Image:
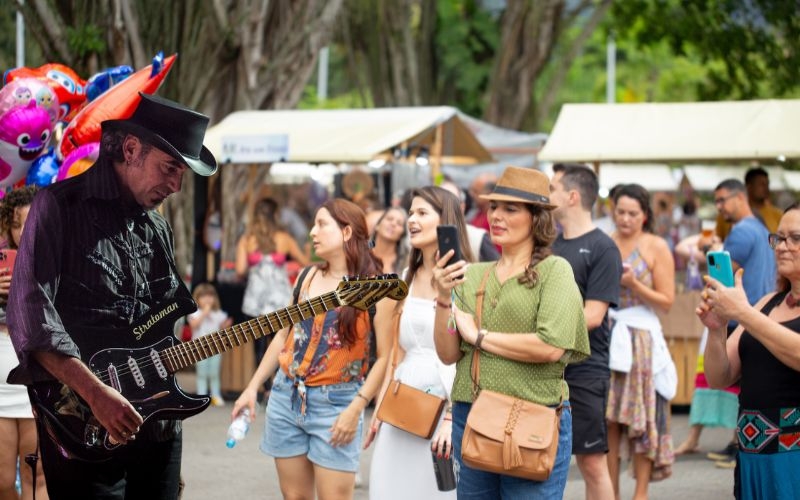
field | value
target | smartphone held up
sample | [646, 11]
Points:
[720, 267]
[7, 258]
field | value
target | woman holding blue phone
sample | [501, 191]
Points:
[643, 376]
[763, 355]
[720, 267]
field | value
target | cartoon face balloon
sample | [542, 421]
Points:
[23, 90]
[24, 133]
[68, 86]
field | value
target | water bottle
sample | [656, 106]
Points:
[238, 429]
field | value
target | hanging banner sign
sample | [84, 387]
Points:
[263, 148]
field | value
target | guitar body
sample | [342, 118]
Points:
[134, 368]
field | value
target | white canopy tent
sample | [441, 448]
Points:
[792, 180]
[675, 132]
[651, 176]
[355, 135]
[704, 178]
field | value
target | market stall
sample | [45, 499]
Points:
[693, 132]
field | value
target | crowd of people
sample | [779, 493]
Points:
[544, 309]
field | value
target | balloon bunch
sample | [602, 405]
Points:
[50, 117]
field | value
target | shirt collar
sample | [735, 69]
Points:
[102, 183]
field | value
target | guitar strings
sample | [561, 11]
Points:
[180, 350]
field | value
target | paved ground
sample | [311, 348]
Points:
[212, 471]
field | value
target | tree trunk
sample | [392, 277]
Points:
[544, 105]
[387, 35]
[530, 29]
[233, 54]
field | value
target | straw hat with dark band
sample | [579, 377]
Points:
[522, 185]
[172, 128]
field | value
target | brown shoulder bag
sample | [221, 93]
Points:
[406, 407]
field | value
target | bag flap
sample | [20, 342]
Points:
[532, 428]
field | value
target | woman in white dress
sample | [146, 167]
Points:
[402, 465]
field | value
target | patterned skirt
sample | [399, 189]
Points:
[634, 403]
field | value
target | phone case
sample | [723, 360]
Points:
[7, 258]
[719, 267]
[448, 240]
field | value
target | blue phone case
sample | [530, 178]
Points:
[719, 267]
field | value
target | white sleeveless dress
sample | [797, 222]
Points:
[402, 465]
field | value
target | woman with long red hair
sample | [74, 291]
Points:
[324, 381]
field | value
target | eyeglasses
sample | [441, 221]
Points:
[792, 241]
[723, 199]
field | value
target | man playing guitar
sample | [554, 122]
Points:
[96, 257]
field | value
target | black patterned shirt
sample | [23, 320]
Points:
[85, 260]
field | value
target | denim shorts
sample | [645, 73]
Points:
[480, 485]
[288, 433]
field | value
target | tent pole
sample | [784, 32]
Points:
[436, 156]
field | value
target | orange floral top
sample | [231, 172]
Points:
[314, 354]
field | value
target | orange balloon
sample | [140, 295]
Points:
[79, 167]
[117, 103]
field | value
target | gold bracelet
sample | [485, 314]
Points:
[362, 396]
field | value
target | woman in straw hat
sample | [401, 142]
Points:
[531, 326]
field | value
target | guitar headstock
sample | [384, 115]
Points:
[361, 292]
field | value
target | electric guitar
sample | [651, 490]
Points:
[143, 363]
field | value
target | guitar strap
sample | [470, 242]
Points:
[299, 374]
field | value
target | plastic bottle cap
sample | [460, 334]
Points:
[230, 443]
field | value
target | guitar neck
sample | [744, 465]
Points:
[189, 353]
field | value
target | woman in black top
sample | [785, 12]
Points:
[763, 354]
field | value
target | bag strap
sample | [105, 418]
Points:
[398, 311]
[311, 350]
[299, 283]
[475, 364]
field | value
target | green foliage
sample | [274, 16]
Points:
[466, 40]
[347, 100]
[750, 49]
[85, 40]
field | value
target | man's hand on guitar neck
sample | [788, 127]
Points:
[111, 409]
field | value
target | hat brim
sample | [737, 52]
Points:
[205, 165]
[515, 199]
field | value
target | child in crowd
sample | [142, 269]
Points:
[208, 318]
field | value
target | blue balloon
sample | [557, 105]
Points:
[43, 170]
[104, 80]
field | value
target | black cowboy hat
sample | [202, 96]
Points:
[172, 128]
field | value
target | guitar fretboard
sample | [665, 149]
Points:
[189, 353]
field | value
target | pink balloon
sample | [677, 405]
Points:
[21, 91]
[88, 152]
[24, 133]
